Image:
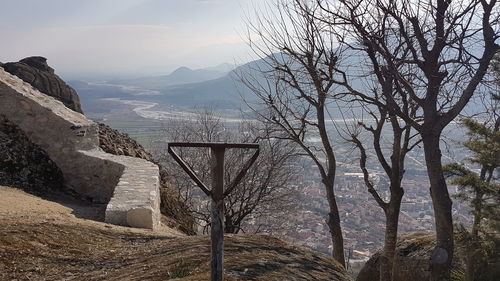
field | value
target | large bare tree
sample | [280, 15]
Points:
[294, 86]
[437, 52]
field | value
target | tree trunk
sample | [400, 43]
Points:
[472, 253]
[334, 224]
[471, 262]
[329, 182]
[478, 214]
[391, 235]
[441, 258]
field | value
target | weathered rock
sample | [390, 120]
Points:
[39, 63]
[25, 165]
[118, 143]
[413, 252]
[35, 71]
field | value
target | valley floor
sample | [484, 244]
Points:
[57, 238]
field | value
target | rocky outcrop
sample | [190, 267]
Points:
[72, 142]
[36, 72]
[411, 261]
[25, 165]
[413, 252]
[50, 245]
[118, 143]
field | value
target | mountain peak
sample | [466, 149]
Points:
[182, 69]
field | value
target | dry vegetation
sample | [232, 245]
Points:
[47, 240]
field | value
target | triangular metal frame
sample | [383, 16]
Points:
[192, 173]
[216, 193]
[189, 171]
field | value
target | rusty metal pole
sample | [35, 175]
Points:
[217, 214]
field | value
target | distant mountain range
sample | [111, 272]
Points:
[180, 76]
[215, 87]
[224, 93]
[218, 88]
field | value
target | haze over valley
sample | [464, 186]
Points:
[146, 107]
[321, 139]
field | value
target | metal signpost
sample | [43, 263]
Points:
[217, 192]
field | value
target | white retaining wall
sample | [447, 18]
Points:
[130, 185]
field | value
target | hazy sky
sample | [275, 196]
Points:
[124, 37]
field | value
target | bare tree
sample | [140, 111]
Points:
[294, 88]
[265, 194]
[391, 155]
[437, 52]
[392, 161]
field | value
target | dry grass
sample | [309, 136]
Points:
[61, 247]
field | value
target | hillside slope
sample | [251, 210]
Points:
[53, 240]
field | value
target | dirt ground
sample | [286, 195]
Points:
[58, 238]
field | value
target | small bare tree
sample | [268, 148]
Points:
[392, 160]
[266, 193]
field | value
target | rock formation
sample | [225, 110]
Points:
[35, 71]
[413, 252]
[25, 165]
[118, 143]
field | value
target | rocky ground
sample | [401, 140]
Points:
[118, 143]
[25, 165]
[58, 238]
[413, 252]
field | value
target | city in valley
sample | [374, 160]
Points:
[362, 219]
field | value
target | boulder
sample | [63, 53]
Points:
[413, 251]
[36, 71]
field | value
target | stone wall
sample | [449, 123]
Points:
[72, 142]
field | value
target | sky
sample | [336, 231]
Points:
[118, 38]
